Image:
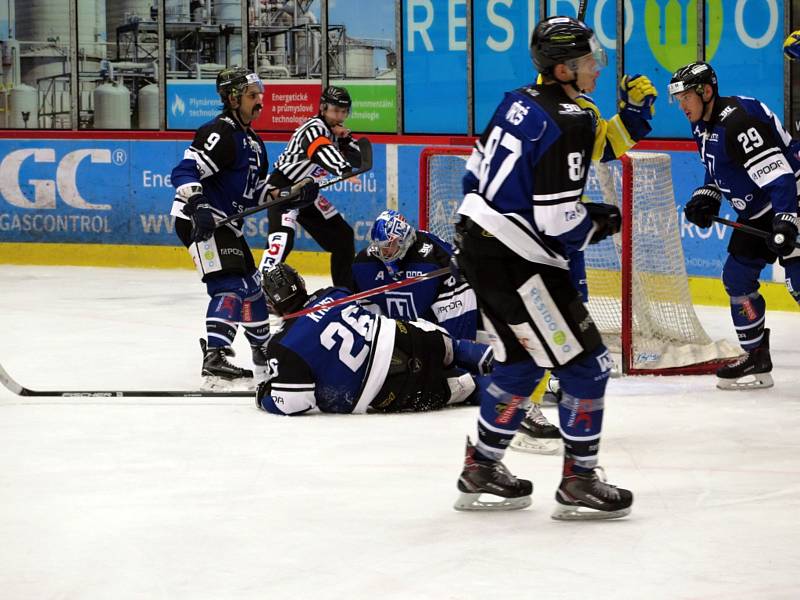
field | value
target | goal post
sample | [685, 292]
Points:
[638, 286]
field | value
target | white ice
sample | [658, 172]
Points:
[209, 498]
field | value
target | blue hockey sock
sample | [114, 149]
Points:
[222, 317]
[581, 421]
[255, 320]
[748, 319]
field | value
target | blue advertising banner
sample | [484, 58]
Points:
[119, 192]
[743, 44]
[191, 103]
[435, 66]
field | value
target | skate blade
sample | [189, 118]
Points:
[212, 383]
[748, 382]
[564, 512]
[470, 501]
[526, 443]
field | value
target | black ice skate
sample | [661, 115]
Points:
[585, 496]
[218, 372]
[749, 371]
[490, 477]
[537, 434]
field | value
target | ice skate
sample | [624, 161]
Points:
[489, 477]
[536, 434]
[219, 374]
[749, 371]
[587, 496]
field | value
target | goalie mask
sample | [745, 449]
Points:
[390, 238]
[284, 287]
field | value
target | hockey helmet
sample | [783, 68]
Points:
[232, 81]
[284, 287]
[563, 40]
[390, 238]
[692, 77]
[336, 96]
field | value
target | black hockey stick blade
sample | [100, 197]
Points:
[12, 385]
[747, 229]
[368, 293]
[582, 9]
[365, 147]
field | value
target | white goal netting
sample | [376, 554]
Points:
[638, 287]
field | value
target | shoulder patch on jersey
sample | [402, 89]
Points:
[570, 109]
[425, 249]
[726, 112]
[516, 112]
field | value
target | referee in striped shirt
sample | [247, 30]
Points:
[320, 144]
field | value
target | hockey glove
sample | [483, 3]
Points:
[305, 195]
[199, 211]
[703, 205]
[791, 47]
[637, 95]
[784, 234]
[607, 220]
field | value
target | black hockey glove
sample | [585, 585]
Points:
[306, 195]
[703, 205]
[784, 234]
[199, 211]
[607, 219]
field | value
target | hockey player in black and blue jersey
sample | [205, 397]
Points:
[521, 218]
[752, 161]
[397, 251]
[346, 359]
[223, 172]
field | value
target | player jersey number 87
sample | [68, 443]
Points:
[510, 142]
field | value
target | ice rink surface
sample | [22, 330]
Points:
[211, 499]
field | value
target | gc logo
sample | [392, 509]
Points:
[44, 190]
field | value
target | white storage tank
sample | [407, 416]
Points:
[360, 60]
[148, 107]
[112, 106]
[23, 100]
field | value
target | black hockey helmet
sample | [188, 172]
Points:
[232, 81]
[284, 287]
[335, 96]
[559, 40]
[693, 77]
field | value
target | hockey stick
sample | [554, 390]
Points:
[368, 293]
[12, 385]
[747, 229]
[582, 9]
[365, 148]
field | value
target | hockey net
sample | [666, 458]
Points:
[638, 287]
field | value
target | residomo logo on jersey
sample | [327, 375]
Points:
[65, 177]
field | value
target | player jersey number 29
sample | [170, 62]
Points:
[344, 334]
